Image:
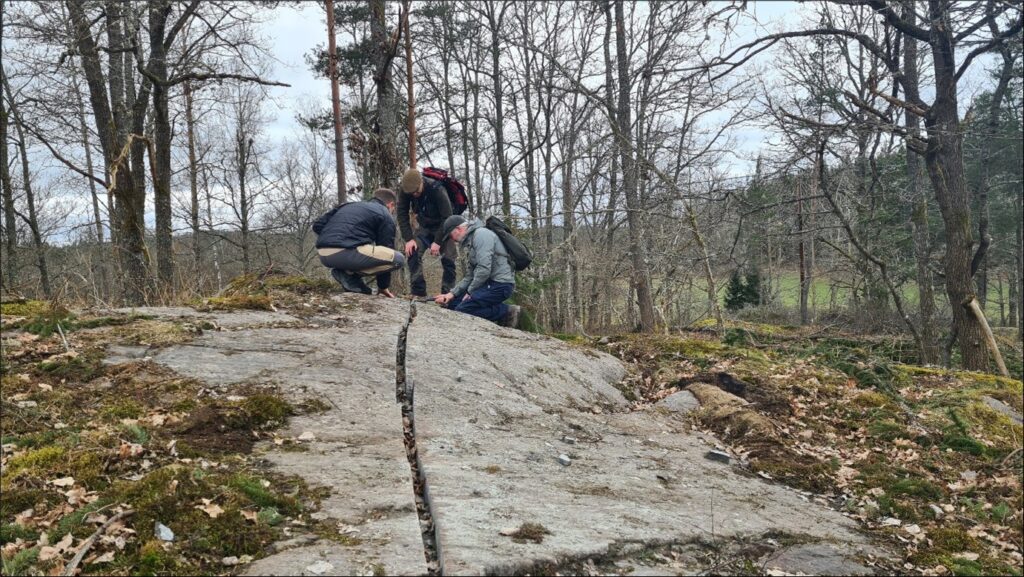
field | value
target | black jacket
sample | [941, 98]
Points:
[354, 224]
[431, 208]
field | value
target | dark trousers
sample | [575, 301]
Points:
[417, 284]
[487, 302]
[366, 260]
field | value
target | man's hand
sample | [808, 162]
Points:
[435, 249]
[386, 293]
[410, 247]
[444, 299]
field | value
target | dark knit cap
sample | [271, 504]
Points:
[450, 224]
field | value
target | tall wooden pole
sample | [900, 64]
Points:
[408, 79]
[339, 140]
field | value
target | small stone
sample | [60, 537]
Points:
[596, 409]
[564, 460]
[719, 456]
[27, 404]
[913, 529]
[508, 531]
[319, 568]
[603, 341]
[569, 440]
[163, 532]
[969, 475]
[229, 561]
[891, 522]
[307, 436]
[937, 511]
[948, 508]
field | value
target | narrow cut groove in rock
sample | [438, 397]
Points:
[404, 391]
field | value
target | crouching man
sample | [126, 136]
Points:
[356, 239]
[490, 278]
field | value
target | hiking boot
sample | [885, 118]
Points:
[512, 317]
[350, 282]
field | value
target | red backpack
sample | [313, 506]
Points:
[456, 192]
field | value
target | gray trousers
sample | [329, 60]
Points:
[366, 260]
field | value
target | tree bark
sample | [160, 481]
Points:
[158, 12]
[990, 339]
[32, 221]
[109, 112]
[339, 131]
[988, 142]
[928, 348]
[100, 265]
[638, 255]
[10, 224]
[410, 94]
[944, 159]
[801, 242]
[494, 22]
[193, 184]
[384, 153]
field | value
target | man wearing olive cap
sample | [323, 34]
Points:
[490, 278]
[428, 199]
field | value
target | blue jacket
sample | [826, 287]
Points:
[354, 224]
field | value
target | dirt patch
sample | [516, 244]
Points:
[205, 428]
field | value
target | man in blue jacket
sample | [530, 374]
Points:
[356, 239]
[490, 278]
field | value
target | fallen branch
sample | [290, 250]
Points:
[990, 339]
[84, 547]
[67, 347]
[1010, 456]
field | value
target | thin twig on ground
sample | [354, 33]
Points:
[88, 543]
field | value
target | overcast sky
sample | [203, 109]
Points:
[295, 31]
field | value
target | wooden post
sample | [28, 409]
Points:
[993, 347]
[339, 139]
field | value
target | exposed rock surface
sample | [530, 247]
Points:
[495, 408]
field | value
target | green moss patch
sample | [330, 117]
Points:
[853, 418]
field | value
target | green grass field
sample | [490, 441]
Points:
[786, 289]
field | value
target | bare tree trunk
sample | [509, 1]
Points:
[709, 276]
[411, 95]
[981, 260]
[339, 131]
[112, 125]
[32, 220]
[929, 346]
[1016, 304]
[944, 159]
[383, 152]
[531, 182]
[101, 264]
[613, 174]
[494, 22]
[10, 224]
[190, 129]
[477, 183]
[244, 150]
[804, 281]
[158, 12]
[637, 249]
[568, 225]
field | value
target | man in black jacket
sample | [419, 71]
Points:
[428, 199]
[355, 239]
